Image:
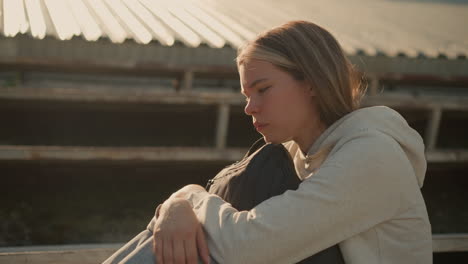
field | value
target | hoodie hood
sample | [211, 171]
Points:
[384, 120]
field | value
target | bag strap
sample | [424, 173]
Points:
[255, 146]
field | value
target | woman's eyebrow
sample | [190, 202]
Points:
[256, 82]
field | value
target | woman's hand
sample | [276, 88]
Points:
[178, 236]
[185, 191]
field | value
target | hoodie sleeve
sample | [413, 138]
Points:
[358, 187]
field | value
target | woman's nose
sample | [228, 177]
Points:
[251, 107]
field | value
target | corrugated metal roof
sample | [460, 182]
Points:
[388, 27]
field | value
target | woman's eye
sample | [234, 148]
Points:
[263, 89]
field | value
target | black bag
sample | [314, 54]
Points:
[265, 171]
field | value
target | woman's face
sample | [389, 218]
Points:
[282, 108]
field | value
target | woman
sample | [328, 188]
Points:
[361, 169]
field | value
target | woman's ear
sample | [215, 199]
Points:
[311, 91]
[309, 88]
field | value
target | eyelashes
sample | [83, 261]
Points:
[263, 90]
[260, 91]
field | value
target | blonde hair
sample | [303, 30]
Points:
[309, 52]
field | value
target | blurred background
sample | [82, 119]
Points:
[108, 106]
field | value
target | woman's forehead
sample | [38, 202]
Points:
[256, 70]
[256, 66]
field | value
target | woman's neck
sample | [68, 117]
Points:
[310, 134]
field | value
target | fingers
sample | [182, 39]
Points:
[157, 248]
[191, 254]
[167, 252]
[202, 245]
[175, 252]
[178, 250]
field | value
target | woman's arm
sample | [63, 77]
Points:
[358, 186]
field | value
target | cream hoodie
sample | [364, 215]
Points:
[361, 189]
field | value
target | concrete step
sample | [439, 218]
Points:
[60, 254]
[96, 253]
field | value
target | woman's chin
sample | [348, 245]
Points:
[272, 140]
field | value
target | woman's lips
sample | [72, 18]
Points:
[260, 126]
